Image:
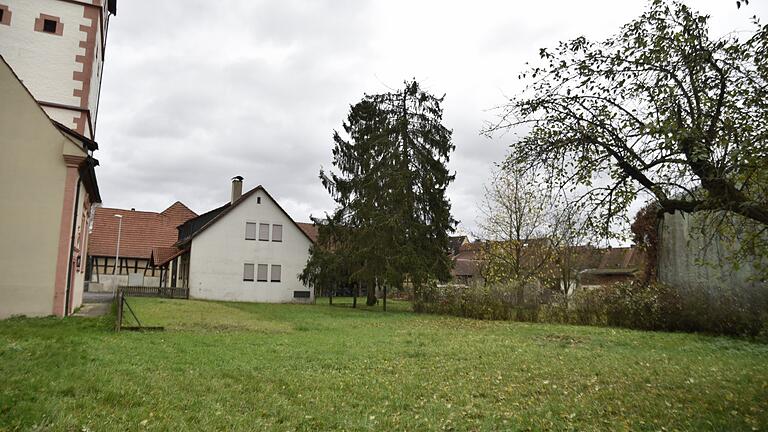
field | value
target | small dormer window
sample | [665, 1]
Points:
[49, 26]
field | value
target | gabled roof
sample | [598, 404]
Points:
[309, 229]
[192, 228]
[141, 231]
[164, 255]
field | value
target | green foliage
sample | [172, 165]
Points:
[659, 109]
[331, 263]
[650, 306]
[390, 187]
[645, 232]
[498, 301]
[245, 367]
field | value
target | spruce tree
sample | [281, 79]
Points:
[389, 183]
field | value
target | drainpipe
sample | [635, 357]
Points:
[72, 247]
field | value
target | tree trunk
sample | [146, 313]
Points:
[354, 298]
[385, 298]
[330, 296]
[371, 300]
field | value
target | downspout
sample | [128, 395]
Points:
[72, 247]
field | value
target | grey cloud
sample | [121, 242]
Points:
[195, 92]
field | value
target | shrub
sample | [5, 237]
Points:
[488, 302]
[650, 306]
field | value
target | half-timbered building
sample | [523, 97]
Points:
[145, 239]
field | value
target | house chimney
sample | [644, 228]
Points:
[237, 188]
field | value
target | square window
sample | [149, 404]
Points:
[49, 26]
[248, 272]
[261, 275]
[264, 232]
[275, 273]
[277, 233]
[250, 231]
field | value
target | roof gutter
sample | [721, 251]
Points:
[88, 175]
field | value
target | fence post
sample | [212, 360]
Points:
[119, 315]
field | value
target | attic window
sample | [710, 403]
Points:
[49, 26]
[258, 200]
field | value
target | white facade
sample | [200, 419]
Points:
[62, 69]
[220, 252]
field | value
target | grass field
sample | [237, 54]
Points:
[229, 366]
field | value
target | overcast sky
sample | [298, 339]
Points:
[196, 92]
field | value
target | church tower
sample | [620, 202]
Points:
[56, 48]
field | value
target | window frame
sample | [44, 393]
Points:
[43, 19]
[5, 18]
[245, 272]
[279, 273]
[266, 273]
[255, 230]
[261, 224]
[281, 233]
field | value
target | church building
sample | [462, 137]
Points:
[51, 58]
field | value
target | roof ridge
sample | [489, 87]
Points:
[128, 210]
[179, 203]
[226, 208]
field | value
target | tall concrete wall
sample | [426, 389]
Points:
[693, 263]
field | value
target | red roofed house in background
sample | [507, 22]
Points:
[142, 235]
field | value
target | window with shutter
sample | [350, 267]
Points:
[250, 231]
[277, 233]
[275, 273]
[248, 272]
[261, 275]
[264, 232]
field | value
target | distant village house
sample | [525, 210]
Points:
[145, 240]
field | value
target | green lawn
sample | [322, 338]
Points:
[229, 366]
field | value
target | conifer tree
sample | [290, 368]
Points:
[389, 184]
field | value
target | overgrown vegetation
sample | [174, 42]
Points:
[230, 366]
[635, 305]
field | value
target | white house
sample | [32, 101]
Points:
[247, 250]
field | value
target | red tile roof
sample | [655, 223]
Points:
[164, 255]
[309, 229]
[141, 232]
